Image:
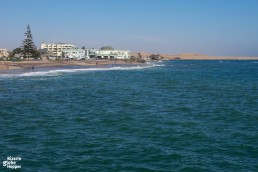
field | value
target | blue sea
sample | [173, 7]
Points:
[164, 116]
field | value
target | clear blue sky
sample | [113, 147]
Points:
[213, 27]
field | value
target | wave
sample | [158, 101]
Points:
[57, 72]
[156, 64]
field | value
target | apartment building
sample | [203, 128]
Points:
[56, 49]
[3, 52]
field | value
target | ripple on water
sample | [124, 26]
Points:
[177, 116]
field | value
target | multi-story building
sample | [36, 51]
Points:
[69, 51]
[76, 54]
[3, 52]
[56, 49]
[90, 53]
[109, 53]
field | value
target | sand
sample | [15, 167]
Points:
[197, 57]
[8, 65]
[207, 57]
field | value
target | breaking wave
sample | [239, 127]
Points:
[57, 72]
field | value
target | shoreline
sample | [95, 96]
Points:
[31, 65]
[8, 65]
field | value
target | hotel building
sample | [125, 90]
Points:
[109, 53]
[56, 49]
[76, 54]
[69, 51]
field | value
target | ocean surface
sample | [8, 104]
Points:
[164, 116]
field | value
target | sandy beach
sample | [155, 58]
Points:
[8, 65]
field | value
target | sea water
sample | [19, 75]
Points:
[166, 116]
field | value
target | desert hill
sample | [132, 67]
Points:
[194, 56]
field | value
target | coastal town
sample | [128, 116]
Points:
[67, 51]
[56, 54]
[60, 54]
[64, 54]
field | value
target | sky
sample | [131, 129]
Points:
[212, 27]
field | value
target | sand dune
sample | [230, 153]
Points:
[193, 56]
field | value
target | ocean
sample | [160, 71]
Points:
[164, 116]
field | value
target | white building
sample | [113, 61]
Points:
[90, 52]
[69, 51]
[109, 53]
[56, 49]
[76, 54]
[3, 52]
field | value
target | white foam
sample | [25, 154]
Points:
[58, 72]
[156, 64]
